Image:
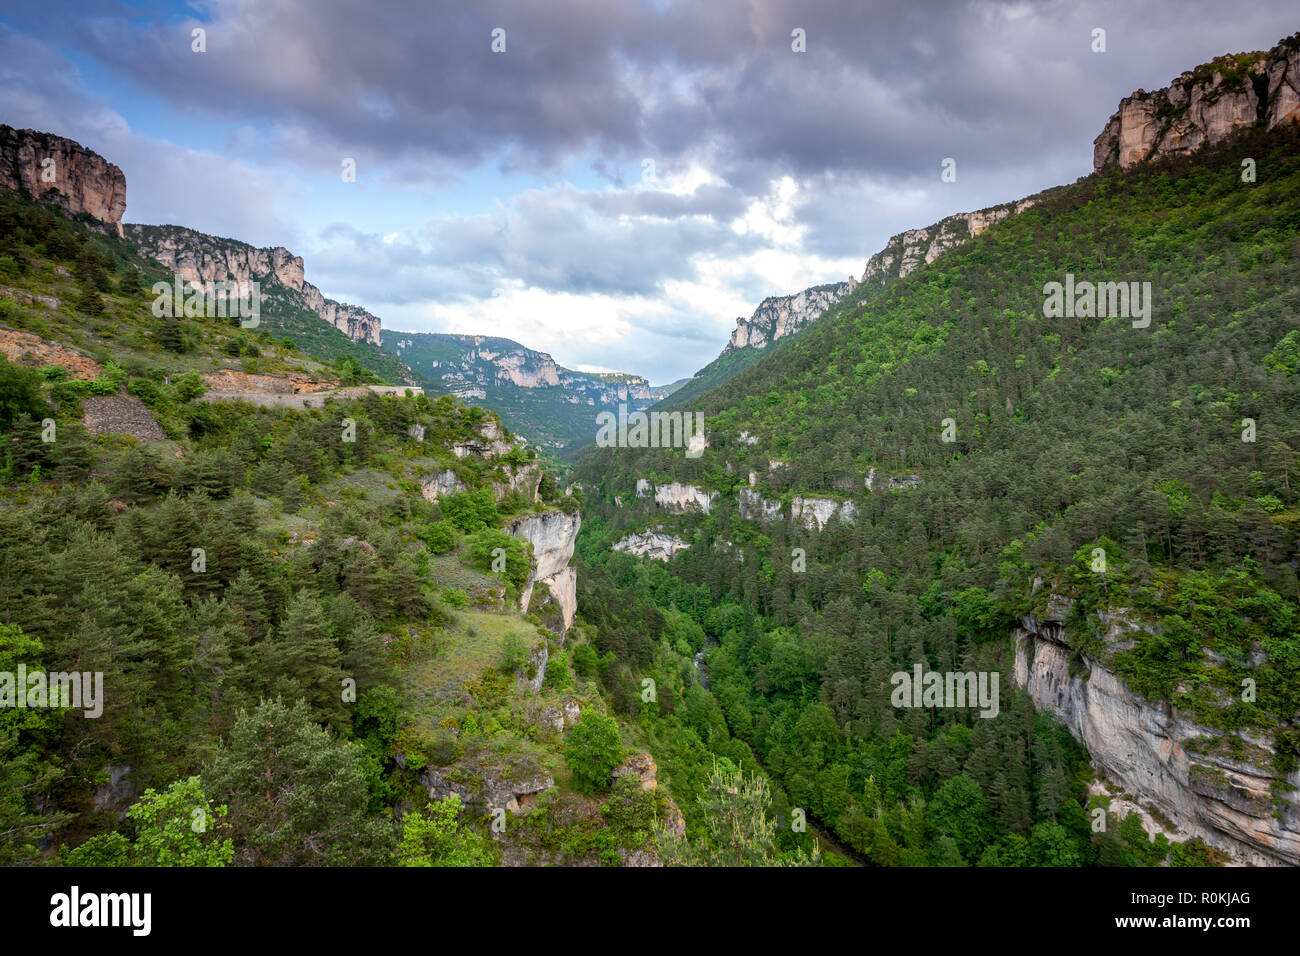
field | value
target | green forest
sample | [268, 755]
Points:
[1167, 451]
[311, 658]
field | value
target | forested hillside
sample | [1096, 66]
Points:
[1017, 464]
[319, 631]
[553, 407]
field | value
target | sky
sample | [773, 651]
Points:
[609, 181]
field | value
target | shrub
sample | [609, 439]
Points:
[592, 751]
[470, 511]
[439, 536]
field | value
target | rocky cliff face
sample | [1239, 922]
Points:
[815, 512]
[1204, 105]
[907, 251]
[1212, 785]
[656, 544]
[782, 315]
[205, 259]
[679, 498]
[440, 484]
[64, 172]
[490, 443]
[552, 535]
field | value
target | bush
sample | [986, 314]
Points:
[592, 751]
[439, 537]
[586, 663]
[190, 387]
[455, 598]
[90, 303]
[20, 394]
[488, 547]
[470, 511]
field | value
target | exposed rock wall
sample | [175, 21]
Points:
[878, 482]
[205, 260]
[754, 507]
[655, 544]
[1204, 105]
[81, 179]
[782, 315]
[440, 484]
[1161, 756]
[552, 535]
[490, 443]
[815, 512]
[680, 498]
[907, 251]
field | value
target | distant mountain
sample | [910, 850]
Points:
[660, 392]
[779, 318]
[548, 404]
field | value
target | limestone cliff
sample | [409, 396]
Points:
[655, 544]
[552, 535]
[1210, 784]
[205, 259]
[64, 172]
[781, 315]
[1204, 105]
[813, 513]
[907, 251]
[679, 498]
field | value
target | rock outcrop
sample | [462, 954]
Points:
[781, 315]
[907, 251]
[813, 513]
[524, 479]
[440, 484]
[552, 535]
[1210, 784]
[754, 507]
[485, 790]
[679, 498]
[64, 172]
[655, 544]
[205, 260]
[490, 443]
[1204, 105]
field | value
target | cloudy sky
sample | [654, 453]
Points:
[625, 177]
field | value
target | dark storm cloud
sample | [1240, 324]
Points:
[559, 240]
[860, 122]
[883, 87]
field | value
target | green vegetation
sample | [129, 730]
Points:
[554, 418]
[592, 751]
[1072, 436]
